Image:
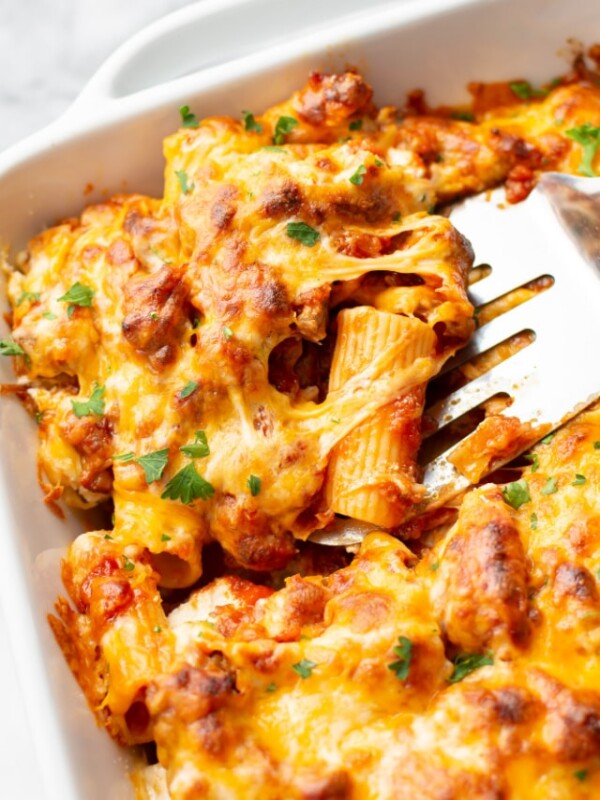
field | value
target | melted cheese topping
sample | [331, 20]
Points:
[470, 670]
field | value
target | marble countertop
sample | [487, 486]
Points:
[48, 50]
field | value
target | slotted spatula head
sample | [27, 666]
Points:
[555, 232]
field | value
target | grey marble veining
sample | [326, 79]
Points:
[50, 48]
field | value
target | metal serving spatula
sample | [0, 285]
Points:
[556, 233]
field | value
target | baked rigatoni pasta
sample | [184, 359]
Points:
[237, 364]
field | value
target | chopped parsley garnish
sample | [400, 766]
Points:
[397, 217]
[154, 464]
[304, 668]
[535, 461]
[336, 420]
[227, 333]
[95, 405]
[303, 233]
[579, 480]
[533, 521]
[273, 149]
[199, 448]
[187, 485]
[581, 774]
[525, 91]
[125, 457]
[182, 177]
[108, 537]
[39, 416]
[588, 137]
[464, 116]
[355, 125]
[250, 124]
[435, 566]
[153, 316]
[188, 119]
[48, 315]
[358, 178]
[548, 439]
[8, 347]
[78, 295]
[271, 687]
[379, 163]
[253, 483]
[284, 126]
[550, 487]
[33, 297]
[516, 493]
[165, 537]
[466, 663]
[596, 445]
[403, 651]
[127, 564]
[157, 629]
[188, 389]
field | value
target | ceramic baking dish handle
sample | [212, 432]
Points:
[204, 35]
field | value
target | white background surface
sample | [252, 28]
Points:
[48, 50]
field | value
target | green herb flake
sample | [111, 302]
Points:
[183, 179]
[250, 124]
[272, 687]
[188, 389]
[463, 116]
[466, 663]
[336, 420]
[355, 125]
[403, 651]
[187, 485]
[154, 464]
[32, 297]
[588, 136]
[283, 127]
[157, 629]
[153, 316]
[435, 566]
[227, 333]
[78, 295]
[304, 668]
[124, 457]
[379, 163]
[535, 461]
[8, 347]
[579, 480]
[548, 439]
[550, 487]
[48, 315]
[188, 119]
[108, 537]
[95, 405]
[580, 774]
[127, 564]
[596, 445]
[358, 176]
[525, 91]
[303, 233]
[271, 148]
[199, 448]
[516, 493]
[39, 416]
[533, 521]
[397, 217]
[253, 483]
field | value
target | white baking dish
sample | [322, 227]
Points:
[218, 57]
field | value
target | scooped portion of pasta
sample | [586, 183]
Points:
[247, 357]
[242, 363]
